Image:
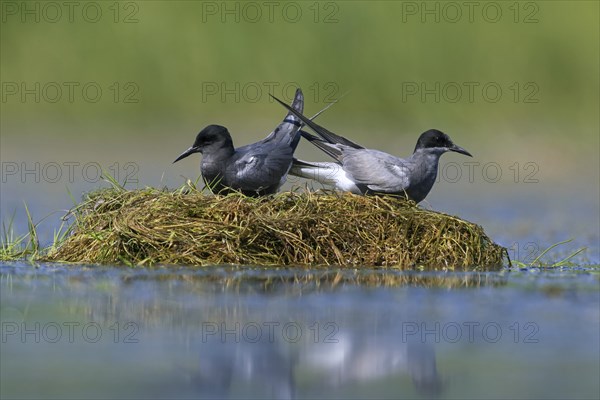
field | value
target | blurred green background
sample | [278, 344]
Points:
[175, 52]
[168, 68]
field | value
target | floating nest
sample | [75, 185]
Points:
[151, 226]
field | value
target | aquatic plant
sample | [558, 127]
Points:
[15, 247]
[150, 226]
[539, 262]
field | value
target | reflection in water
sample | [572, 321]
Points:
[348, 360]
[423, 369]
[263, 366]
[285, 333]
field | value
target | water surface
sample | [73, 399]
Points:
[247, 332]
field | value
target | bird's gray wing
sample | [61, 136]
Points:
[321, 131]
[378, 171]
[261, 168]
[287, 130]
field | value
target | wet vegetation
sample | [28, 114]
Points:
[150, 226]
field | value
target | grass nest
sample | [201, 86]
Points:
[150, 226]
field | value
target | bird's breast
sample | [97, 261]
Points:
[422, 179]
[211, 171]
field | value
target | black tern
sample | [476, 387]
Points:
[256, 169]
[366, 171]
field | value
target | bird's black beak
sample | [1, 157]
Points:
[460, 150]
[186, 153]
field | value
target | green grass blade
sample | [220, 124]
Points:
[547, 250]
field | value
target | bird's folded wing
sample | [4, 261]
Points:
[378, 171]
[257, 171]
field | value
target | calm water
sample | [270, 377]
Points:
[102, 332]
[224, 332]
